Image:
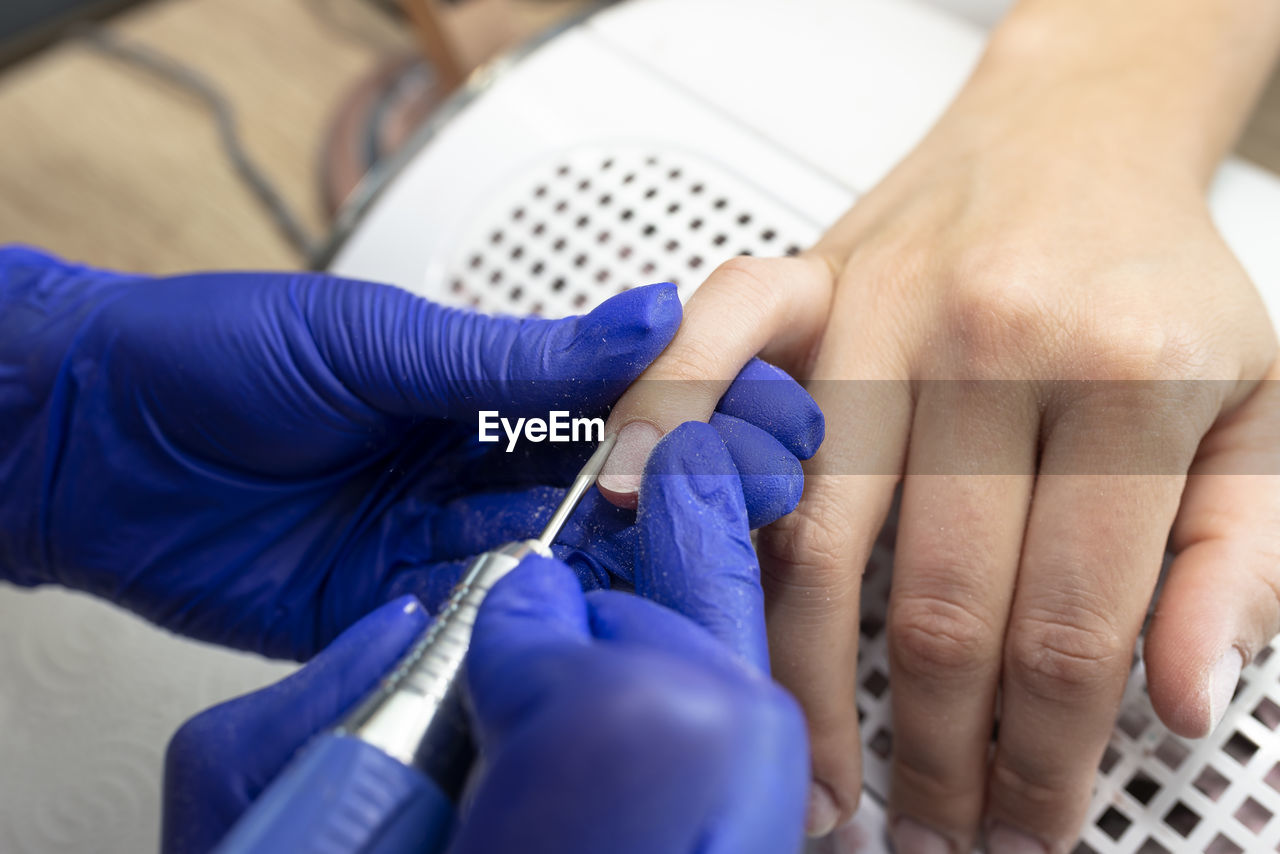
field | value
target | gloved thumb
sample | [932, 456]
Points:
[695, 553]
[407, 356]
[517, 648]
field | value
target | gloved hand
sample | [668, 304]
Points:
[260, 459]
[605, 722]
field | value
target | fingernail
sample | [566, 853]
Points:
[623, 470]
[912, 837]
[1005, 840]
[823, 813]
[1222, 685]
[854, 838]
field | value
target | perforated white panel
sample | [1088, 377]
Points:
[594, 221]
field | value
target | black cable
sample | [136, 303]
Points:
[194, 83]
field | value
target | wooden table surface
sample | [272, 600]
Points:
[104, 163]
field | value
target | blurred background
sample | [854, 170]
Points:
[154, 136]
[195, 134]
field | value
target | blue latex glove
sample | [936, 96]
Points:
[606, 722]
[260, 459]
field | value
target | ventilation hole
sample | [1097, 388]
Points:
[580, 260]
[584, 184]
[696, 224]
[517, 214]
[1223, 845]
[881, 743]
[672, 245]
[673, 280]
[1150, 846]
[720, 203]
[1240, 748]
[456, 286]
[474, 302]
[744, 219]
[624, 252]
[602, 237]
[648, 267]
[630, 177]
[648, 230]
[1142, 788]
[1182, 819]
[559, 244]
[495, 277]
[562, 170]
[876, 684]
[674, 174]
[582, 221]
[695, 262]
[673, 208]
[602, 275]
[537, 268]
[651, 161]
[495, 238]
[558, 284]
[1083, 848]
[793, 251]
[1109, 758]
[1172, 752]
[476, 261]
[719, 239]
[540, 191]
[651, 192]
[517, 293]
[744, 251]
[1261, 658]
[768, 234]
[1253, 815]
[606, 200]
[697, 189]
[1113, 823]
[627, 214]
[517, 253]
[871, 626]
[862, 715]
[562, 206]
[1211, 784]
[1273, 777]
[539, 228]
[1132, 722]
[607, 165]
[537, 309]
[1267, 713]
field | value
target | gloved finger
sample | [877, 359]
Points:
[695, 553]
[406, 356]
[771, 478]
[611, 739]
[769, 398]
[625, 618]
[524, 626]
[222, 759]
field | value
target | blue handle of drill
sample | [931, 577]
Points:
[345, 796]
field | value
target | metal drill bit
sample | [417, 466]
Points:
[581, 484]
